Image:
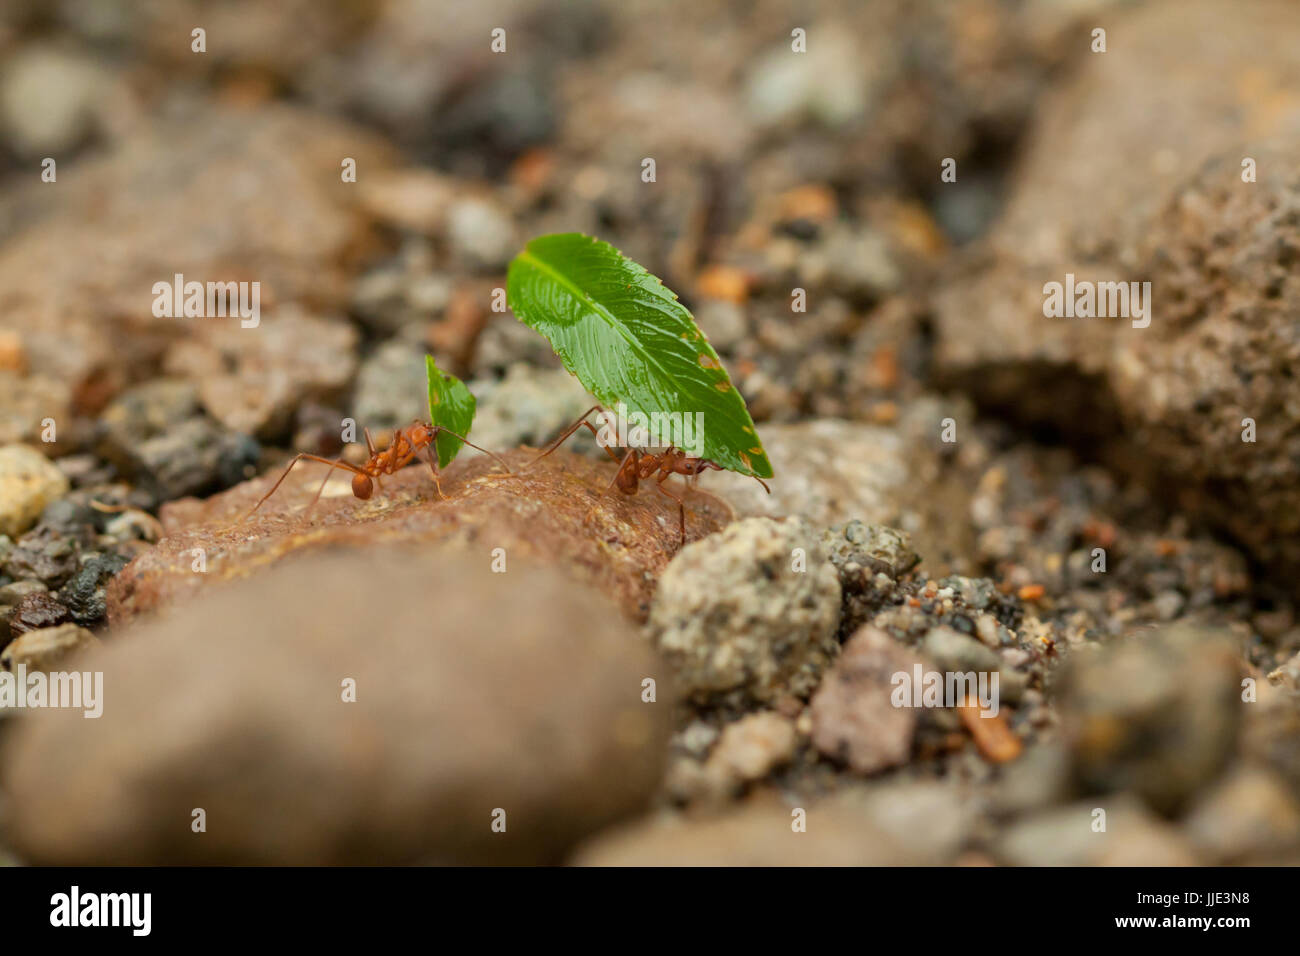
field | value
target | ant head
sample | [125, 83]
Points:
[362, 486]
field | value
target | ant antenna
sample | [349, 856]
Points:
[495, 457]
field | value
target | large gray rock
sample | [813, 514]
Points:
[743, 614]
[468, 700]
[830, 471]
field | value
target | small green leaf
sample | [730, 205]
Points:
[451, 405]
[627, 339]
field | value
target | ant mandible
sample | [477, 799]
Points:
[407, 443]
[637, 465]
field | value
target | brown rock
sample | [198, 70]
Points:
[1108, 149]
[252, 380]
[1133, 173]
[1222, 349]
[467, 701]
[37, 612]
[163, 202]
[558, 513]
[1136, 120]
[853, 718]
[26, 402]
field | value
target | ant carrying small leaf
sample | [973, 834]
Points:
[407, 444]
[449, 401]
[637, 465]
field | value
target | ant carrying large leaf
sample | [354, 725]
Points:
[636, 465]
[632, 344]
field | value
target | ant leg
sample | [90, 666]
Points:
[433, 468]
[303, 456]
[370, 443]
[630, 456]
[569, 431]
[495, 457]
[681, 507]
[319, 491]
[623, 462]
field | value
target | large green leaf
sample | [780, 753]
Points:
[451, 405]
[627, 339]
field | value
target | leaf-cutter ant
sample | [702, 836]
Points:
[636, 465]
[406, 445]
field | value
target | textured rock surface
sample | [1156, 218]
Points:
[1134, 121]
[735, 618]
[1223, 255]
[466, 700]
[558, 513]
[1133, 173]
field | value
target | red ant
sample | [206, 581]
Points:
[636, 466]
[407, 443]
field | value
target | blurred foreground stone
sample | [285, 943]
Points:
[1157, 715]
[474, 692]
[837, 834]
[894, 824]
